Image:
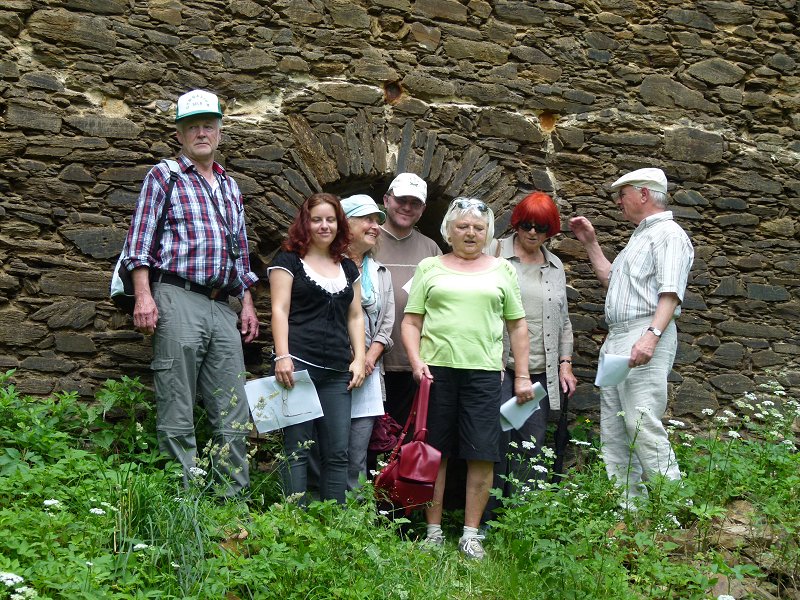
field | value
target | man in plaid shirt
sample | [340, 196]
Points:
[182, 284]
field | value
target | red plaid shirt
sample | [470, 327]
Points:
[193, 243]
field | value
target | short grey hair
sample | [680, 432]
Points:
[472, 208]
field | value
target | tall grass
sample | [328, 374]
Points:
[88, 509]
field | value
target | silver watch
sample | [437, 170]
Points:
[656, 331]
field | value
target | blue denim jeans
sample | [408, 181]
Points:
[332, 437]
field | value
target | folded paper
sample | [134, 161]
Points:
[274, 406]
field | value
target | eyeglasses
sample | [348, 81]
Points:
[527, 226]
[464, 203]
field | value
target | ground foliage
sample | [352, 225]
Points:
[89, 509]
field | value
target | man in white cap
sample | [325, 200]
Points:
[184, 271]
[646, 283]
[401, 249]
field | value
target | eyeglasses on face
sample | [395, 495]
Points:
[464, 203]
[527, 226]
[409, 202]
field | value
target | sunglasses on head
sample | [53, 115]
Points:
[527, 226]
[464, 203]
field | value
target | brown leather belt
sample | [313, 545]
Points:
[216, 294]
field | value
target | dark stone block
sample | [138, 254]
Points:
[732, 383]
[729, 286]
[690, 18]
[99, 242]
[691, 398]
[92, 285]
[26, 116]
[519, 13]
[753, 330]
[686, 354]
[71, 313]
[689, 145]
[729, 355]
[47, 364]
[768, 293]
[74, 343]
[16, 331]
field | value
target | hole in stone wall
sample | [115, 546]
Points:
[392, 90]
[548, 121]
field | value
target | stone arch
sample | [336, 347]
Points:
[363, 154]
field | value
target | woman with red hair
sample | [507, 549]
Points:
[318, 326]
[543, 286]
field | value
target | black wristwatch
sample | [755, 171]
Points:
[656, 331]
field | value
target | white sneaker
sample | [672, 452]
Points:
[432, 542]
[472, 548]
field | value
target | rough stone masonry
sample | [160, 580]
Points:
[492, 99]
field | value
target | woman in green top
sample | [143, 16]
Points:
[453, 334]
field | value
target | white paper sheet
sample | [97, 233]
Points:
[513, 415]
[612, 369]
[274, 407]
[407, 286]
[368, 399]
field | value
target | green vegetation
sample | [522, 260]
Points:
[88, 509]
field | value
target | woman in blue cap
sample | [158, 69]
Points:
[377, 301]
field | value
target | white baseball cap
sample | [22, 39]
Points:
[361, 205]
[197, 102]
[652, 179]
[408, 184]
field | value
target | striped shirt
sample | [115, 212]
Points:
[193, 244]
[656, 260]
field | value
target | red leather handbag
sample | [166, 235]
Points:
[408, 479]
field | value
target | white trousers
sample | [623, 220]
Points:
[634, 442]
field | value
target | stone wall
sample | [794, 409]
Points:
[493, 99]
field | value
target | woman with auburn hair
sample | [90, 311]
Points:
[318, 326]
[543, 286]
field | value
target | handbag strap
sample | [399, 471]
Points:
[418, 414]
[421, 409]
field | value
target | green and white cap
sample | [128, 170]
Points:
[197, 102]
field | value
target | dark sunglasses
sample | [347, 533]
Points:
[527, 226]
[471, 203]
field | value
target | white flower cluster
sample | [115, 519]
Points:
[52, 503]
[138, 547]
[197, 472]
[97, 511]
[10, 579]
[23, 593]
[707, 411]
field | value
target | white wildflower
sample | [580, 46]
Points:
[528, 445]
[513, 444]
[767, 403]
[23, 593]
[707, 411]
[687, 444]
[10, 579]
[548, 452]
[89, 564]
[734, 434]
[174, 565]
[525, 489]
[97, 511]
[52, 502]
[729, 413]
[750, 396]
[725, 597]
[642, 409]
[758, 415]
[540, 468]
[138, 547]
[721, 420]
[139, 427]
[197, 472]
[580, 443]
[688, 437]
[676, 423]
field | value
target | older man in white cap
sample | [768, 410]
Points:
[646, 283]
[401, 249]
[188, 254]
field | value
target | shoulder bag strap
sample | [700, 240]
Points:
[418, 415]
[421, 409]
[174, 174]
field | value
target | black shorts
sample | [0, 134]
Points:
[464, 413]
